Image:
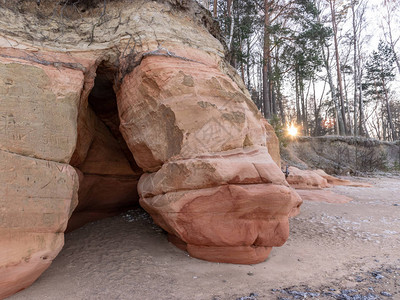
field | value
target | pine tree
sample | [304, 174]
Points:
[380, 72]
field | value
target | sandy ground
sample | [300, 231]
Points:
[335, 251]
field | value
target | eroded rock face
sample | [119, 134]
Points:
[146, 94]
[272, 143]
[306, 179]
[217, 205]
[317, 179]
[107, 178]
[339, 181]
[310, 185]
[214, 170]
[37, 198]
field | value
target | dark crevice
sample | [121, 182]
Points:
[103, 102]
[109, 174]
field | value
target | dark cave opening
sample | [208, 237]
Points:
[108, 174]
[103, 101]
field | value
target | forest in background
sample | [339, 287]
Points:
[326, 66]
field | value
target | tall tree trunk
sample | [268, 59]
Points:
[231, 17]
[215, 7]
[266, 62]
[355, 71]
[272, 91]
[389, 112]
[261, 83]
[340, 125]
[363, 127]
[350, 128]
[298, 111]
[248, 63]
[339, 75]
[306, 108]
[280, 103]
[316, 112]
[304, 99]
[241, 60]
[384, 127]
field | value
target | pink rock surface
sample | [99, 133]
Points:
[310, 185]
[37, 198]
[241, 166]
[177, 116]
[272, 143]
[193, 108]
[211, 181]
[339, 181]
[240, 214]
[306, 179]
[107, 181]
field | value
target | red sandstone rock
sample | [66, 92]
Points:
[213, 183]
[107, 182]
[193, 109]
[272, 143]
[185, 115]
[317, 179]
[309, 185]
[235, 214]
[306, 179]
[242, 166]
[37, 198]
[232, 255]
[338, 181]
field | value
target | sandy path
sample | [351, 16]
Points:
[331, 247]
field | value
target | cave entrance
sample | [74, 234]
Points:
[108, 173]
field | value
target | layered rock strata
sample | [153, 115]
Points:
[133, 100]
[311, 185]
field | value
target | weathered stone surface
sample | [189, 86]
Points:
[226, 216]
[193, 108]
[20, 265]
[107, 182]
[36, 199]
[309, 184]
[236, 200]
[236, 255]
[272, 143]
[149, 80]
[249, 165]
[232, 255]
[213, 183]
[306, 179]
[103, 196]
[38, 117]
[317, 179]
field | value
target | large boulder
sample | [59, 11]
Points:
[140, 106]
[37, 198]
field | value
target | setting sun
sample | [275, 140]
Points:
[292, 130]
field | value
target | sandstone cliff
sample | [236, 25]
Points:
[105, 106]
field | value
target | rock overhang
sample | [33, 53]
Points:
[182, 111]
